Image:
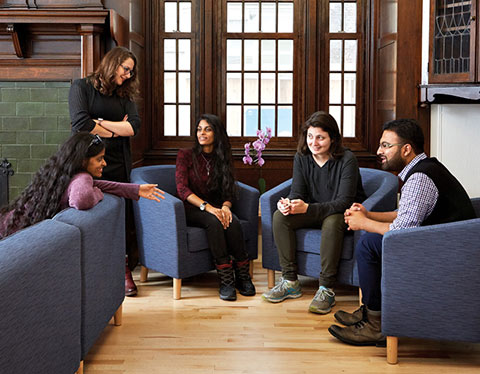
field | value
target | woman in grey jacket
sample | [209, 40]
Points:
[326, 181]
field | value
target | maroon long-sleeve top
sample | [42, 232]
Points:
[190, 182]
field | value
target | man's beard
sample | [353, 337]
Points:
[394, 164]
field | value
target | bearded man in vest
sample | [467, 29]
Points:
[430, 195]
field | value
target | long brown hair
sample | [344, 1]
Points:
[328, 124]
[103, 79]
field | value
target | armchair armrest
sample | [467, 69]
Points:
[246, 206]
[429, 274]
[268, 205]
[384, 199]
[161, 232]
[269, 199]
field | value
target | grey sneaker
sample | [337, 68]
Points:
[285, 289]
[323, 301]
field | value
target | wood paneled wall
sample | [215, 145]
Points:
[63, 40]
[396, 68]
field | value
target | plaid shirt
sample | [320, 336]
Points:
[418, 197]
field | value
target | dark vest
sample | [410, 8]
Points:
[453, 203]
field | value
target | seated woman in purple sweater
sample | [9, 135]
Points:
[66, 180]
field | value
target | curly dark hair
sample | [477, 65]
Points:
[328, 124]
[103, 79]
[41, 199]
[409, 131]
[222, 178]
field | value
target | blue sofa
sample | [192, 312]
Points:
[62, 281]
[166, 244]
[102, 230]
[381, 189]
[41, 296]
[431, 283]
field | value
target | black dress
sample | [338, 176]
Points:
[86, 104]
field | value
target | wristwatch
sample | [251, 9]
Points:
[203, 206]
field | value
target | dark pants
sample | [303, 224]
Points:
[368, 253]
[117, 171]
[223, 242]
[331, 244]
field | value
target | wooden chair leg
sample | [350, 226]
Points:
[143, 274]
[360, 296]
[177, 288]
[117, 317]
[271, 278]
[80, 368]
[392, 350]
[251, 269]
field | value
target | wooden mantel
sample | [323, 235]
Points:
[51, 44]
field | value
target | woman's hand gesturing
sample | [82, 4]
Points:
[151, 192]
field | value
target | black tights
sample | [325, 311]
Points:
[223, 242]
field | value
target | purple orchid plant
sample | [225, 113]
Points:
[259, 146]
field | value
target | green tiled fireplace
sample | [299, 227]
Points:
[34, 120]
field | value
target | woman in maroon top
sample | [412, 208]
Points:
[66, 180]
[205, 182]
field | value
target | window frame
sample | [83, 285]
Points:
[474, 49]
[276, 142]
[311, 64]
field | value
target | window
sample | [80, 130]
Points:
[260, 44]
[343, 39]
[177, 68]
[256, 64]
[452, 57]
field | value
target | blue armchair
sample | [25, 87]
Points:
[166, 244]
[430, 283]
[381, 189]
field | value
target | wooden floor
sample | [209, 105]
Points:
[202, 334]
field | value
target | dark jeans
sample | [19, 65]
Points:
[369, 262]
[333, 229]
[223, 242]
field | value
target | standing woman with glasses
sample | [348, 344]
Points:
[67, 180]
[103, 104]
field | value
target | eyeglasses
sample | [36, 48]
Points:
[96, 141]
[128, 71]
[385, 145]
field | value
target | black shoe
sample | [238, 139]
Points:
[227, 282]
[243, 282]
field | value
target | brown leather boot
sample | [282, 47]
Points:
[130, 287]
[349, 319]
[365, 332]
